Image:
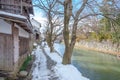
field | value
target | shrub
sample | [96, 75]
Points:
[26, 62]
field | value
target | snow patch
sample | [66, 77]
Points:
[54, 56]
[10, 14]
[60, 48]
[69, 72]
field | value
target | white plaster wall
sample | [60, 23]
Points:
[5, 27]
[22, 32]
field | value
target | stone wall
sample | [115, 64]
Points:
[104, 46]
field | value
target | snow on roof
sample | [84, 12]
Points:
[35, 23]
[11, 14]
[17, 18]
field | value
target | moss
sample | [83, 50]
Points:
[26, 62]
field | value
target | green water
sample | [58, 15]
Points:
[96, 65]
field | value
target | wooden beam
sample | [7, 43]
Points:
[14, 20]
[24, 4]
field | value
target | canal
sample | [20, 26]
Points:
[96, 65]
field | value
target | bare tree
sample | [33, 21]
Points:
[76, 15]
[49, 8]
[53, 31]
[72, 16]
[70, 42]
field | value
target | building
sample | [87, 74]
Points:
[36, 30]
[15, 34]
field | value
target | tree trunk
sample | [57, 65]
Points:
[51, 47]
[67, 56]
[67, 15]
[49, 42]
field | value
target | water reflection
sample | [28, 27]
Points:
[96, 65]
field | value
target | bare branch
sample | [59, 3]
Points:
[60, 2]
[81, 8]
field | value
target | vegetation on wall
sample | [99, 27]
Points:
[26, 63]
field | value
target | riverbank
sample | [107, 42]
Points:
[105, 47]
[48, 66]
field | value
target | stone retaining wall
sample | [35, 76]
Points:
[104, 46]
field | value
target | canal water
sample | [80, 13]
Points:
[96, 65]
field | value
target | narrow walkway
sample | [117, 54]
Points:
[43, 66]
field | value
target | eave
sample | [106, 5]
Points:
[18, 19]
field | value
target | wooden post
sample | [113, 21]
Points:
[21, 7]
[30, 42]
[15, 36]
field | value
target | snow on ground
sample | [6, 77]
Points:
[64, 72]
[54, 56]
[59, 48]
[40, 71]
[69, 72]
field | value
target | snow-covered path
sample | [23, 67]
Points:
[48, 66]
[43, 66]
